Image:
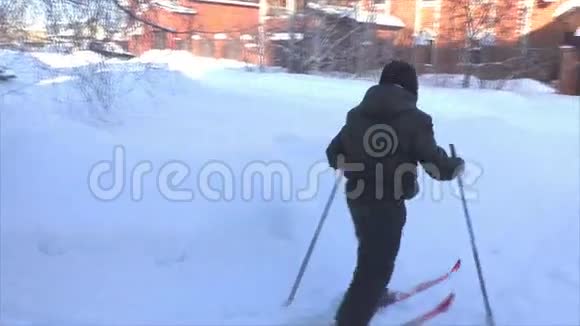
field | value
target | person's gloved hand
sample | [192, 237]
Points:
[459, 164]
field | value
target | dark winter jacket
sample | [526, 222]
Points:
[381, 143]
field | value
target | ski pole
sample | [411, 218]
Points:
[489, 314]
[313, 241]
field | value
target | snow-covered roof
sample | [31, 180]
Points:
[119, 36]
[566, 6]
[66, 32]
[173, 7]
[379, 19]
[361, 16]
[135, 29]
[329, 9]
[286, 36]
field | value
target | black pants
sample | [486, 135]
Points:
[378, 227]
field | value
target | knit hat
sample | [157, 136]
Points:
[400, 73]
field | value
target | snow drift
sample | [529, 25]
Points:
[68, 257]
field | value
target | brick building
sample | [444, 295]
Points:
[437, 35]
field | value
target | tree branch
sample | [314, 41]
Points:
[147, 22]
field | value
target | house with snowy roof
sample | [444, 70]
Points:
[436, 35]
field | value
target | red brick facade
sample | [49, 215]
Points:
[212, 24]
[229, 28]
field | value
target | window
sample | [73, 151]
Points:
[207, 48]
[159, 40]
[233, 49]
[572, 39]
[429, 3]
[278, 3]
[183, 43]
[426, 39]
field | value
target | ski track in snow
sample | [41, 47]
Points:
[70, 259]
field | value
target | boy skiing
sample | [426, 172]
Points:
[378, 149]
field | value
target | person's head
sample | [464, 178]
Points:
[402, 74]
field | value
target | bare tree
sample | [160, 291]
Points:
[97, 25]
[332, 38]
[12, 18]
[475, 25]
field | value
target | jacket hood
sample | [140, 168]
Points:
[383, 102]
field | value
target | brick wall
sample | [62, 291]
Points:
[446, 18]
[540, 18]
[405, 10]
[215, 29]
[508, 21]
[216, 17]
[453, 19]
[428, 19]
[219, 17]
[545, 31]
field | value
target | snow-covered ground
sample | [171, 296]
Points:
[68, 257]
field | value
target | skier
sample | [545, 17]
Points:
[378, 149]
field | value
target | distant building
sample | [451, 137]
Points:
[434, 34]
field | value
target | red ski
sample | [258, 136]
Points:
[442, 307]
[400, 296]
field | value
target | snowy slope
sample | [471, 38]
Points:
[70, 258]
